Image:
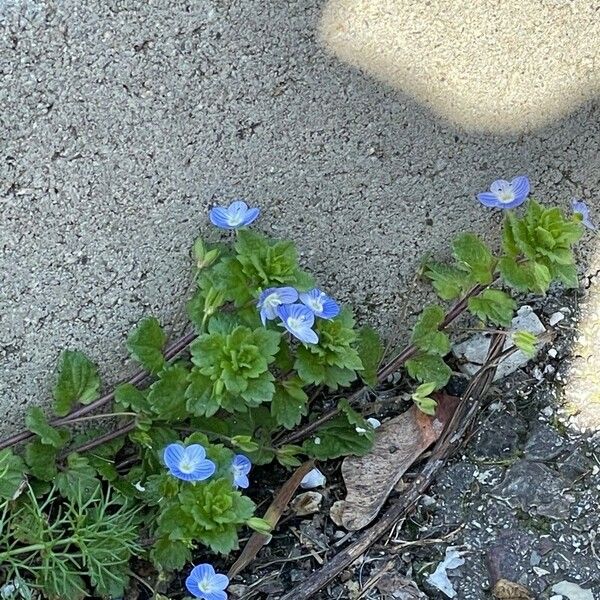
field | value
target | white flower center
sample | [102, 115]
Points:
[187, 466]
[506, 196]
[316, 304]
[206, 586]
[296, 322]
[235, 219]
[272, 301]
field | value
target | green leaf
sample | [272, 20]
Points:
[259, 525]
[200, 399]
[426, 405]
[448, 281]
[128, 396]
[474, 255]
[287, 455]
[259, 390]
[167, 394]
[421, 398]
[41, 459]
[426, 334]
[12, 474]
[567, 275]
[78, 482]
[424, 390]
[429, 368]
[370, 352]
[348, 433]
[526, 342]
[493, 305]
[78, 381]
[146, 344]
[170, 555]
[244, 443]
[36, 422]
[289, 403]
[514, 274]
[541, 277]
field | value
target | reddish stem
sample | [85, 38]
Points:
[171, 352]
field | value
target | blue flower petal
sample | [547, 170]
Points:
[195, 452]
[220, 581]
[204, 583]
[219, 216]
[216, 595]
[488, 199]
[298, 320]
[520, 186]
[330, 309]
[287, 295]
[306, 335]
[238, 207]
[320, 303]
[173, 454]
[251, 216]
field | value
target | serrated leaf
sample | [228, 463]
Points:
[289, 403]
[167, 394]
[426, 334]
[170, 555]
[41, 460]
[146, 344]
[200, 400]
[448, 281]
[516, 275]
[428, 368]
[474, 255]
[78, 481]
[567, 275]
[259, 390]
[128, 396]
[12, 473]
[36, 422]
[541, 277]
[370, 351]
[78, 381]
[493, 305]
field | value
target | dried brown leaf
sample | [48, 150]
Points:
[398, 443]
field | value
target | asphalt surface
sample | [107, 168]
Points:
[121, 122]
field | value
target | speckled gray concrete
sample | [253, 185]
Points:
[123, 121]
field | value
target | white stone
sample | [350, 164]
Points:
[472, 352]
[555, 318]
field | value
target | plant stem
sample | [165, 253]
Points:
[171, 352]
[102, 416]
[107, 437]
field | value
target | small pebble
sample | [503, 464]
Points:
[552, 353]
[555, 318]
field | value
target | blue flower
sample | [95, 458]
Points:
[504, 194]
[204, 583]
[237, 214]
[298, 320]
[240, 467]
[582, 209]
[189, 464]
[320, 303]
[272, 298]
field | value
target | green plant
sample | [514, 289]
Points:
[266, 345]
